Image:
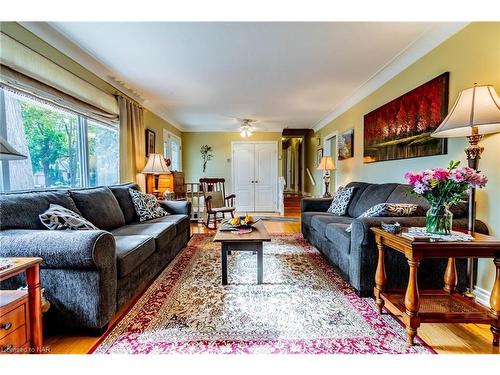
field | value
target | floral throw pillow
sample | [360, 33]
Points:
[340, 201]
[146, 205]
[388, 210]
[59, 218]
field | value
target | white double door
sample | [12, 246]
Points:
[255, 176]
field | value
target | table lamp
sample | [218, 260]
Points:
[326, 165]
[476, 112]
[156, 166]
[7, 152]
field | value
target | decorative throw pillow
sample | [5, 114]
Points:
[340, 201]
[57, 217]
[146, 205]
[388, 210]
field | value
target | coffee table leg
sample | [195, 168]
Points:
[260, 264]
[224, 249]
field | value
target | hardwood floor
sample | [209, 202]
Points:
[444, 338]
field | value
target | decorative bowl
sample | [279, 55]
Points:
[394, 228]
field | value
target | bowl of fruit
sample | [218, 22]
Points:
[240, 222]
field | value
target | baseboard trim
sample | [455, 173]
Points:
[482, 296]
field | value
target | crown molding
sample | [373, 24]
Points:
[61, 42]
[416, 50]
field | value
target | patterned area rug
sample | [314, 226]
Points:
[302, 307]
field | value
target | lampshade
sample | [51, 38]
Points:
[477, 107]
[7, 152]
[156, 165]
[326, 163]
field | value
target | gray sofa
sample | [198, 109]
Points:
[354, 254]
[89, 275]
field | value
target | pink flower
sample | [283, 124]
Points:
[440, 174]
[457, 175]
[413, 178]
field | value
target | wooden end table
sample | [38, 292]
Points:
[436, 306]
[243, 242]
[21, 311]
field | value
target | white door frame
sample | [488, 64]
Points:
[276, 209]
[166, 135]
[326, 147]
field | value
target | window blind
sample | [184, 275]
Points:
[25, 70]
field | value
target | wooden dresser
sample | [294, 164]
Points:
[173, 182]
[20, 310]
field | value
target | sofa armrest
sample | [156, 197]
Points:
[61, 249]
[176, 207]
[315, 204]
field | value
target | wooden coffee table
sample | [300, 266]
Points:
[243, 242]
[436, 306]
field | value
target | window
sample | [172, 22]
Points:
[103, 154]
[172, 150]
[63, 149]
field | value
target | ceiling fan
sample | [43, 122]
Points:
[246, 128]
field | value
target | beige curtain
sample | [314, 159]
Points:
[133, 148]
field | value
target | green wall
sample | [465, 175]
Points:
[220, 165]
[471, 55]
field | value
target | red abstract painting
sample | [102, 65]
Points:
[402, 128]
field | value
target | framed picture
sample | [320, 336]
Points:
[346, 144]
[319, 155]
[150, 142]
[401, 129]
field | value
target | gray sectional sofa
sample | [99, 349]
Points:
[354, 254]
[89, 274]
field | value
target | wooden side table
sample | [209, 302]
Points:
[20, 311]
[436, 306]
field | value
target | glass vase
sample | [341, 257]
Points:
[439, 219]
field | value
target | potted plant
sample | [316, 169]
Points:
[206, 155]
[443, 187]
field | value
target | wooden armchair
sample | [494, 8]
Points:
[216, 201]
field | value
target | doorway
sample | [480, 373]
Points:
[255, 176]
[293, 159]
[330, 149]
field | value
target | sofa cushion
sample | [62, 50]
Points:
[99, 206]
[131, 251]
[21, 210]
[307, 216]
[336, 233]
[181, 221]
[372, 195]
[162, 232]
[359, 188]
[125, 201]
[319, 222]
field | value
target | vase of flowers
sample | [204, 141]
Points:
[443, 187]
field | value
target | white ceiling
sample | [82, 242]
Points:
[200, 76]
